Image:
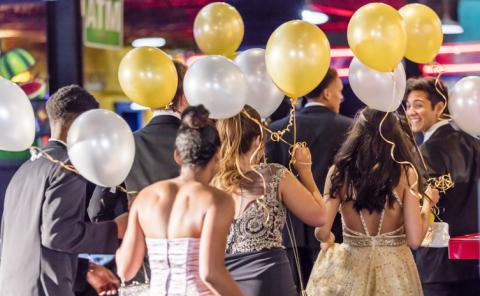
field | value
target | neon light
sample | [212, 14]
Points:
[332, 10]
[460, 48]
[342, 72]
[452, 68]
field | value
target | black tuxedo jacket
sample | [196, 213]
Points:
[452, 151]
[43, 228]
[324, 131]
[154, 147]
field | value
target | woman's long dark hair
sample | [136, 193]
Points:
[364, 164]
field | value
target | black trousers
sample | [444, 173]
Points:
[462, 288]
[306, 260]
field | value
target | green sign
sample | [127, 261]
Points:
[103, 23]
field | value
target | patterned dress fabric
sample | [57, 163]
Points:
[256, 257]
[366, 265]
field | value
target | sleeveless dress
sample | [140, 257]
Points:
[256, 257]
[174, 267]
[366, 265]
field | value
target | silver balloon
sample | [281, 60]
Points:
[382, 91]
[101, 147]
[263, 95]
[218, 84]
[464, 104]
[17, 121]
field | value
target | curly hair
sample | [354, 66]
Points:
[197, 139]
[68, 102]
[237, 135]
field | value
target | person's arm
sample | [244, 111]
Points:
[63, 227]
[323, 233]
[213, 241]
[130, 255]
[416, 219]
[304, 201]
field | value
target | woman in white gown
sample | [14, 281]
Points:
[183, 222]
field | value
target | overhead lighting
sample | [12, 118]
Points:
[137, 107]
[314, 17]
[450, 27]
[153, 42]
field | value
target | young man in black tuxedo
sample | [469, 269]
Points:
[447, 149]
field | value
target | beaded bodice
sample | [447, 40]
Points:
[393, 238]
[260, 223]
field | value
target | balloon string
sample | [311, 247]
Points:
[273, 135]
[35, 152]
[278, 136]
[408, 163]
[256, 171]
[291, 149]
[440, 69]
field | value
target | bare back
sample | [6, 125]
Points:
[174, 209]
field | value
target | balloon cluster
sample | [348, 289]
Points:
[294, 62]
[296, 59]
[380, 37]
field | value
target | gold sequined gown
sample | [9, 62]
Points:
[365, 265]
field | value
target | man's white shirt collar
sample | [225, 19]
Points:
[166, 112]
[433, 128]
[309, 104]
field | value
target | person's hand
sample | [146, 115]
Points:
[302, 156]
[327, 244]
[102, 280]
[121, 222]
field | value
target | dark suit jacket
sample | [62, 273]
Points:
[154, 147]
[43, 229]
[452, 151]
[324, 131]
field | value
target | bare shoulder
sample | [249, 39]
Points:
[154, 191]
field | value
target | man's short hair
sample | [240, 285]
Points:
[181, 70]
[329, 78]
[427, 85]
[68, 102]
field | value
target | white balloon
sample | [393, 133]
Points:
[17, 121]
[263, 95]
[382, 91]
[464, 104]
[218, 84]
[101, 147]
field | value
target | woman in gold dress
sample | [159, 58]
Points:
[378, 199]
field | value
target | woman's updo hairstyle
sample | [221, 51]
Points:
[197, 139]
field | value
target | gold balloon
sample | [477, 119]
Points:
[377, 36]
[424, 32]
[218, 29]
[297, 57]
[148, 77]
